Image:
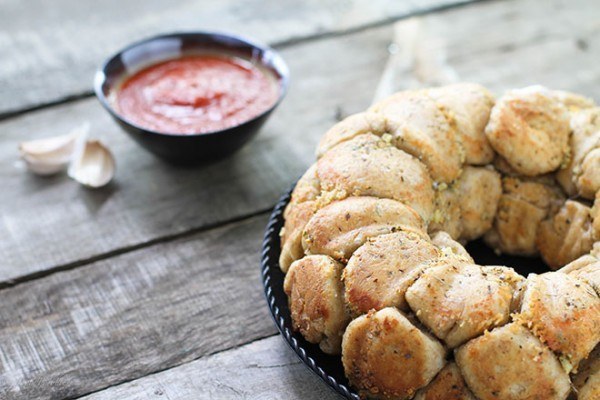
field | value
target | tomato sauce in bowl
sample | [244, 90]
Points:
[192, 98]
[196, 94]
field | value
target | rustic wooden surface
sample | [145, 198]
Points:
[150, 200]
[125, 317]
[55, 46]
[265, 369]
[150, 288]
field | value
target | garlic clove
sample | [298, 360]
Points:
[51, 155]
[42, 167]
[92, 165]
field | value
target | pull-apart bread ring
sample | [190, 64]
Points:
[374, 233]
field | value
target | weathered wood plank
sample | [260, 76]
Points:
[79, 331]
[53, 221]
[512, 44]
[265, 369]
[151, 200]
[51, 49]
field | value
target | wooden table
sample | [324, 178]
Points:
[150, 288]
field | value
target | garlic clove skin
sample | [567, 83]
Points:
[92, 165]
[44, 168]
[51, 155]
[54, 146]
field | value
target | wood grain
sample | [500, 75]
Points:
[50, 222]
[116, 320]
[50, 50]
[512, 44]
[265, 369]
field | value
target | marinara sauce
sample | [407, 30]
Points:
[196, 94]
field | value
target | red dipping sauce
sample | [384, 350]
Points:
[196, 94]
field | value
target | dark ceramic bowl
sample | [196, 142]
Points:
[329, 368]
[188, 148]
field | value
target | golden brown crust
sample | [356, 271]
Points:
[579, 263]
[572, 101]
[296, 217]
[510, 235]
[564, 313]
[502, 166]
[468, 105]
[589, 274]
[511, 363]
[370, 166]
[381, 270]
[566, 236]
[589, 179]
[595, 214]
[466, 209]
[587, 380]
[447, 212]
[315, 295]
[530, 128]
[447, 385]
[542, 193]
[586, 268]
[524, 204]
[341, 227]
[303, 204]
[349, 128]
[308, 186]
[420, 127]
[450, 246]
[581, 176]
[458, 301]
[479, 189]
[439, 119]
[386, 357]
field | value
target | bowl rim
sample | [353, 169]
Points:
[282, 69]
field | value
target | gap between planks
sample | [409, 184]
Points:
[276, 44]
[475, 68]
[158, 371]
[191, 230]
[176, 200]
[126, 249]
[262, 369]
[65, 336]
